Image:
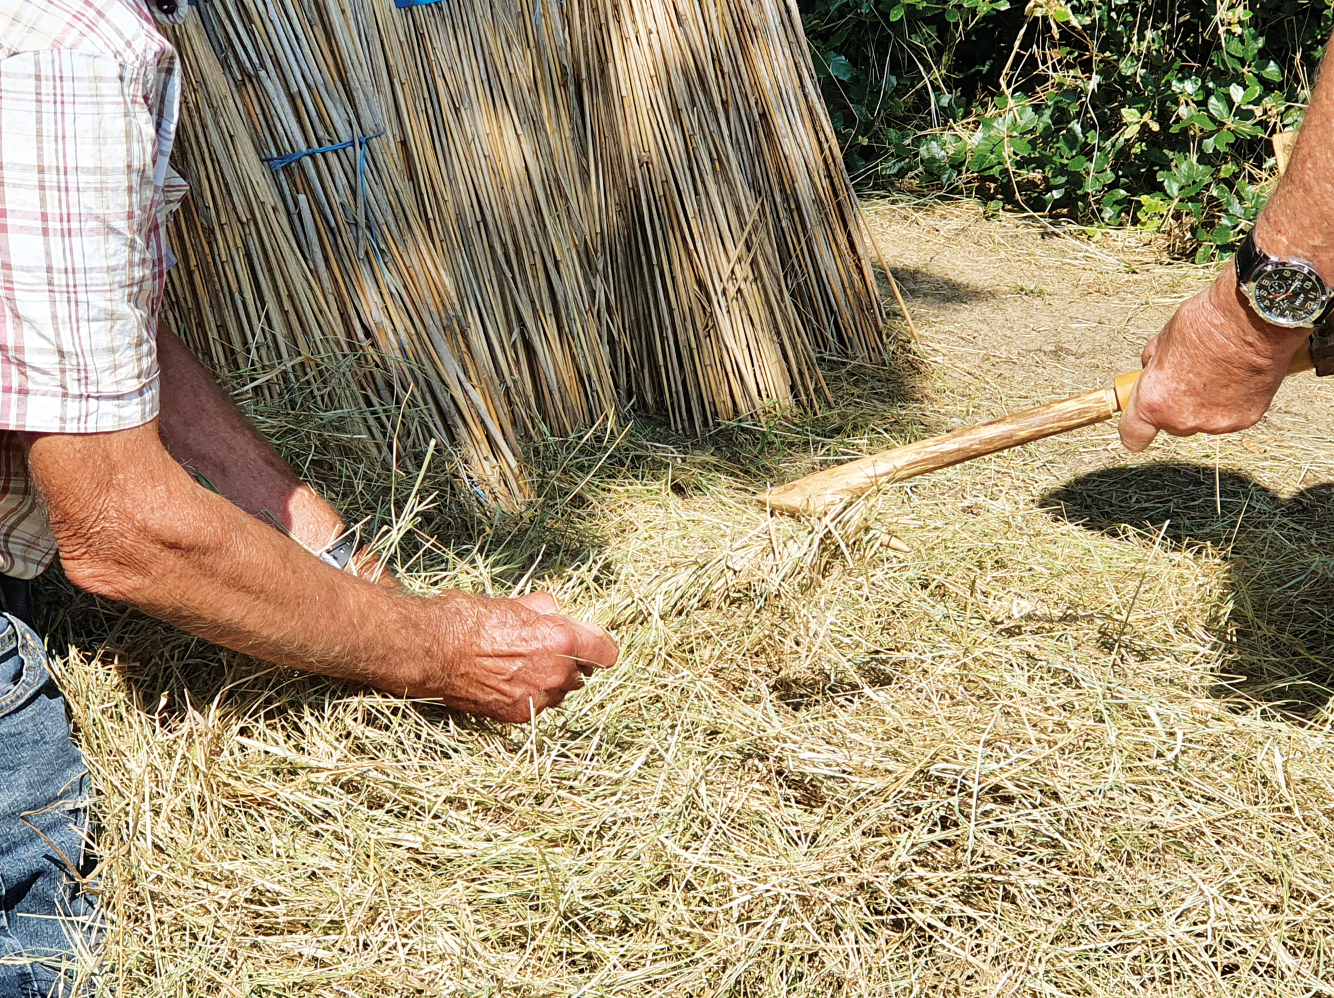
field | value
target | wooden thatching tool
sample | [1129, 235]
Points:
[817, 493]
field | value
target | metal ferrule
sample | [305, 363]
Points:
[340, 554]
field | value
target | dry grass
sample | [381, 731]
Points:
[1063, 746]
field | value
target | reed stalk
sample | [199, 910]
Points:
[545, 215]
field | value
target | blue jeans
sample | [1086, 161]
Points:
[47, 922]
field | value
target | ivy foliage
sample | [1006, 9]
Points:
[1111, 111]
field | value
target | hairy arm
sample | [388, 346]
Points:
[132, 525]
[203, 429]
[1216, 365]
[130, 522]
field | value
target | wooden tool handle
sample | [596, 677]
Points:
[816, 493]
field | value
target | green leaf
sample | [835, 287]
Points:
[839, 66]
[986, 159]
[931, 149]
[1152, 204]
[1176, 115]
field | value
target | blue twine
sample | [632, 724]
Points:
[363, 223]
[278, 162]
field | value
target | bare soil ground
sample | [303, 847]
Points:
[1075, 741]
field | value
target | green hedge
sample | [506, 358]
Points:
[1113, 112]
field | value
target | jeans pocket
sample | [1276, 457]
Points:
[23, 669]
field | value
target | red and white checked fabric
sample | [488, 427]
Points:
[89, 96]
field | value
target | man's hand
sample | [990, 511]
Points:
[133, 526]
[512, 658]
[1213, 369]
[1216, 365]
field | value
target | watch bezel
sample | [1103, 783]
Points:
[1268, 266]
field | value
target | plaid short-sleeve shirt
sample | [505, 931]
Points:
[89, 94]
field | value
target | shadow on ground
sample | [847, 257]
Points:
[1278, 634]
[929, 286]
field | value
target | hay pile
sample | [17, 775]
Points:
[1017, 760]
[521, 217]
[838, 770]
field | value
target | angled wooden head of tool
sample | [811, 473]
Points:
[816, 494]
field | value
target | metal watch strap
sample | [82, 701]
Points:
[1322, 350]
[340, 555]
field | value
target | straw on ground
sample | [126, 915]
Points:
[1075, 742]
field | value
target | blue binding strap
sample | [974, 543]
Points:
[278, 162]
[363, 223]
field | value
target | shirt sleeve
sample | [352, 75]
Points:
[81, 261]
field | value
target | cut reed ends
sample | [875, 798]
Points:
[546, 214]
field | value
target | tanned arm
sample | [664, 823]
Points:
[132, 525]
[203, 429]
[1216, 365]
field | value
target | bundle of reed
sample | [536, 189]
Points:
[523, 216]
[737, 252]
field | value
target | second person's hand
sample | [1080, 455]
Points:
[1213, 369]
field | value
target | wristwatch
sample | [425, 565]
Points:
[1284, 292]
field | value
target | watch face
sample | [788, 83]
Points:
[1288, 296]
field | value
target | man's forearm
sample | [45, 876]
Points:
[203, 429]
[1298, 221]
[132, 525]
[192, 558]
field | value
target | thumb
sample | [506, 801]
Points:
[1136, 432]
[592, 647]
[1149, 351]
